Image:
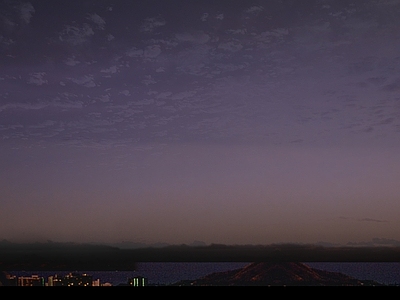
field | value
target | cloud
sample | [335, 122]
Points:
[125, 92]
[372, 220]
[26, 106]
[163, 95]
[388, 2]
[144, 102]
[393, 87]
[134, 52]
[384, 241]
[232, 46]
[385, 121]
[196, 38]
[204, 17]
[110, 70]
[6, 41]
[60, 102]
[364, 220]
[255, 9]
[66, 102]
[377, 242]
[45, 124]
[183, 95]
[76, 35]
[86, 81]
[278, 32]
[37, 78]
[152, 51]
[194, 69]
[237, 31]
[150, 24]
[231, 67]
[70, 61]
[148, 80]
[99, 21]
[27, 10]
[104, 98]
[148, 53]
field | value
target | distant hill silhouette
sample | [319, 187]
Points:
[278, 274]
[71, 256]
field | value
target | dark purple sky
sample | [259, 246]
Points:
[238, 122]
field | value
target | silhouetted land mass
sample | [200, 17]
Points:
[70, 256]
[277, 274]
[62, 256]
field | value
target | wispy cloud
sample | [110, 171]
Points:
[37, 78]
[27, 10]
[71, 61]
[76, 35]
[99, 21]
[196, 38]
[255, 9]
[150, 24]
[344, 218]
[372, 220]
[86, 80]
[378, 242]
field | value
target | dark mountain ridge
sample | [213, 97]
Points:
[279, 274]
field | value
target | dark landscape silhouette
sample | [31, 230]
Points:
[253, 274]
[278, 274]
[71, 256]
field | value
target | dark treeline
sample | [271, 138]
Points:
[70, 256]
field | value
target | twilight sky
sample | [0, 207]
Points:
[237, 122]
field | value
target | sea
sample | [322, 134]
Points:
[165, 273]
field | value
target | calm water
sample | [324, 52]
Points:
[156, 273]
[166, 273]
[383, 272]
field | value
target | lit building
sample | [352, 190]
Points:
[74, 279]
[71, 279]
[96, 282]
[10, 280]
[55, 281]
[137, 281]
[33, 280]
[106, 284]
